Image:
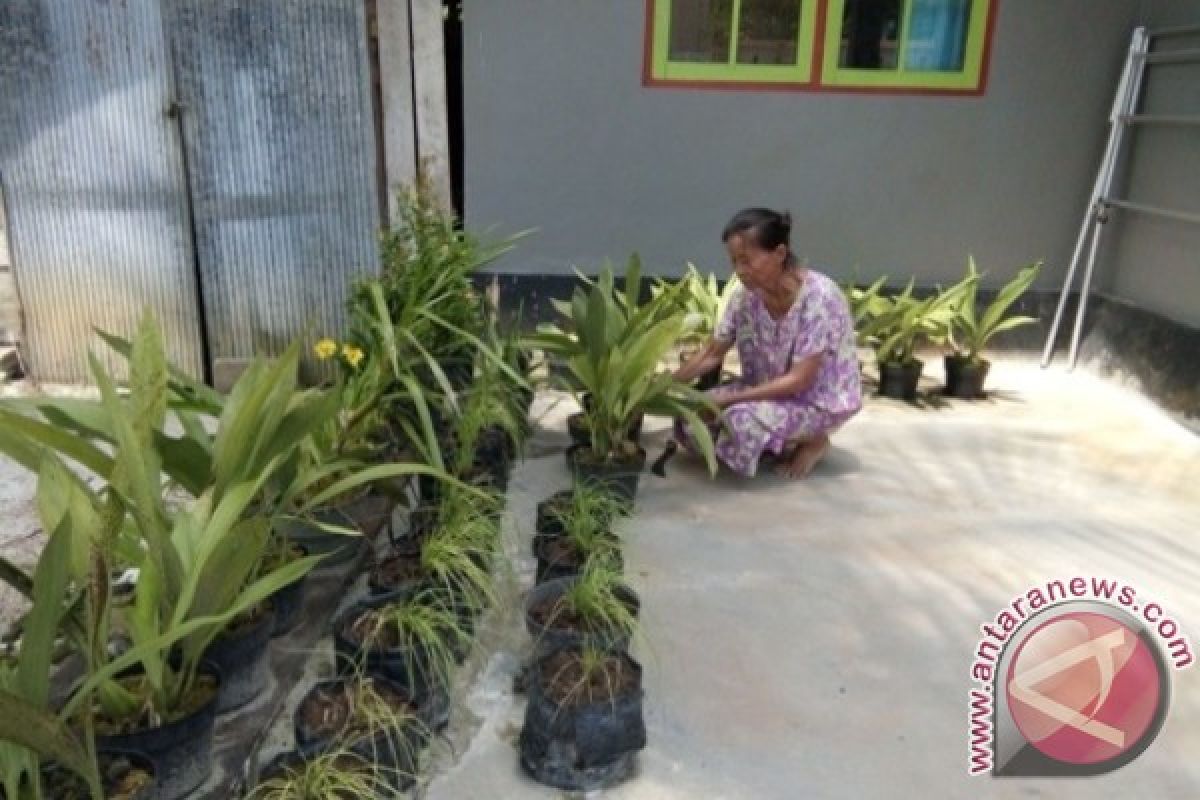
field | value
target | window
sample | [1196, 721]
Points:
[856, 45]
[743, 40]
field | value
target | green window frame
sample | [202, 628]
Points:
[800, 72]
[902, 77]
[818, 48]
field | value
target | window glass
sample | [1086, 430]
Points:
[937, 35]
[701, 30]
[768, 31]
[870, 34]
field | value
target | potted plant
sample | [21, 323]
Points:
[970, 332]
[371, 717]
[594, 608]
[583, 722]
[456, 555]
[578, 530]
[613, 355]
[906, 324]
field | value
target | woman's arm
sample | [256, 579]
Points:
[800, 378]
[711, 357]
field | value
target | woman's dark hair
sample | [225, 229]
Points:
[767, 228]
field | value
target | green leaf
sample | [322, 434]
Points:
[25, 724]
[41, 623]
[24, 440]
[1004, 300]
[377, 473]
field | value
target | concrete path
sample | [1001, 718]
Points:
[814, 639]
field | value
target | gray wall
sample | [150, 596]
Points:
[10, 310]
[562, 136]
[1154, 263]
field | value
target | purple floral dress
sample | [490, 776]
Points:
[819, 321]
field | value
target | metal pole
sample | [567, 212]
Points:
[1183, 30]
[1081, 309]
[1141, 208]
[1118, 109]
[1128, 106]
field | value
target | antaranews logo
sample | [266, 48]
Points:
[1072, 679]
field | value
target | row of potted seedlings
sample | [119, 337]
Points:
[584, 721]
[433, 575]
[895, 326]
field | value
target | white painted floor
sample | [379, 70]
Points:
[814, 639]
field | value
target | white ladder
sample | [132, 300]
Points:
[1124, 114]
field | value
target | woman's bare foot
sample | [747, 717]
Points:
[805, 457]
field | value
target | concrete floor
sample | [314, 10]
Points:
[814, 639]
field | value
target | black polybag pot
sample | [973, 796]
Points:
[181, 750]
[287, 603]
[619, 477]
[584, 747]
[241, 656]
[397, 753]
[427, 690]
[337, 549]
[900, 381]
[548, 639]
[964, 378]
[548, 521]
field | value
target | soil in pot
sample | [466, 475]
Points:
[965, 378]
[398, 572]
[331, 714]
[900, 381]
[583, 727]
[561, 556]
[181, 748]
[240, 653]
[123, 776]
[619, 476]
[553, 624]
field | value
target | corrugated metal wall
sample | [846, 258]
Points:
[282, 164]
[91, 171]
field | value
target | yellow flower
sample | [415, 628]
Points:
[325, 348]
[352, 354]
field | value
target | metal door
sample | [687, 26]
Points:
[93, 181]
[281, 156]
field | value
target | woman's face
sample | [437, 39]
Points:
[755, 267]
